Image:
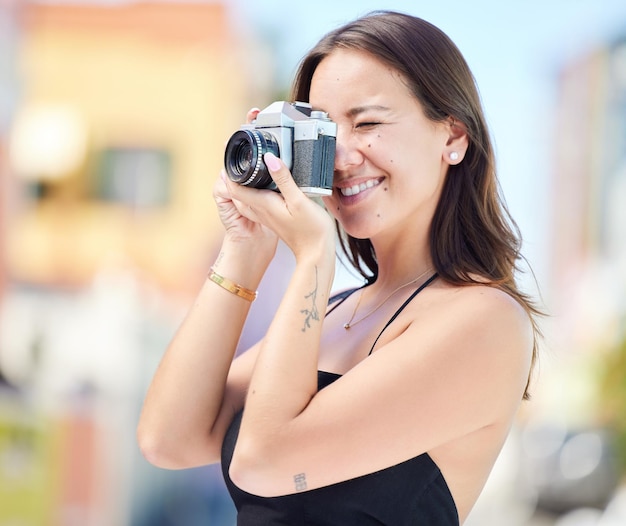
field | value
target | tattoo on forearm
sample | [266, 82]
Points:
[300, 481]
[312, 313]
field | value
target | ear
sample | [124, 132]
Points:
[457, 143]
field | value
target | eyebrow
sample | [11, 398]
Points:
[353, 112]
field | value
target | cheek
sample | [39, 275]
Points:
[389, 150]
[381, 151]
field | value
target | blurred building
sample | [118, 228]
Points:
[9, 14]
[119, 136]
[588, 232]
[113, 120]
[575, 452]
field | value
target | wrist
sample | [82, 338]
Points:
[261, 247]
[243, 262]
[322, 259]
[321, 252]
[232, 287]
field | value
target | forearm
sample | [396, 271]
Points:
[187, 392]
[285, 375]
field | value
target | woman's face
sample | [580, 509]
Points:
[389, 164]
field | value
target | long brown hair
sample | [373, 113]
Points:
[473, 238]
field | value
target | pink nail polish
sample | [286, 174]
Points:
[272, 162]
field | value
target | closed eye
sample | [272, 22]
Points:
[367, 124]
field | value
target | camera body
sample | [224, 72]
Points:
[303, 139]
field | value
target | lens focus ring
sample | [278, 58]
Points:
[243, 158]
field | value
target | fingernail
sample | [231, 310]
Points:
[272, 162]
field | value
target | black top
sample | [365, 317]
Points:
[413, 492]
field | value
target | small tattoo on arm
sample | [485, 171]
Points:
[312, 313]
[300, 481]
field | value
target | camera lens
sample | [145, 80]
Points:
[243, 158]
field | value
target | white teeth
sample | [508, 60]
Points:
[358, 188]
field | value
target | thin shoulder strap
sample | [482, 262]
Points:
[340, 297]
[401, 308]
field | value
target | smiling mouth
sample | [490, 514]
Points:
[358, 188]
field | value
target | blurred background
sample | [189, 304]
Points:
[113, 119]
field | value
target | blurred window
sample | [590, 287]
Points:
[137, 177]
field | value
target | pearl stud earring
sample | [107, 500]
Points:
[454, 156]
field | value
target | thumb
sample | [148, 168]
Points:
[281, 176]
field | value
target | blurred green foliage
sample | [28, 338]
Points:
[613, 397]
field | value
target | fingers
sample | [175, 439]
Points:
[282, 177]
[251, 115]
[266, 206]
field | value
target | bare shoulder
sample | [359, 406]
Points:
[480, 330]
[483, 307]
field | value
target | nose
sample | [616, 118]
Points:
[347, 154]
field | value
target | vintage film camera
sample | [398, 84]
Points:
[303, 139]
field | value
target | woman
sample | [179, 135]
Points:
[392, 407]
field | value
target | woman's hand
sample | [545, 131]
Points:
[302, 224]
[238, 222]
[237, 218]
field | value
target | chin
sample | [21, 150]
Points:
[357, 233]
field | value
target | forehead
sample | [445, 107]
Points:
[355, 77]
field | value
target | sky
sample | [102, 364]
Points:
[515, 49]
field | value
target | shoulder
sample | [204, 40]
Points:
[480, 306]
[479, 329]
[472, 313]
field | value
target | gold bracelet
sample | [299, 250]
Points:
[233, 287]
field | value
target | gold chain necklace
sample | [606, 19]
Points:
[350, 323]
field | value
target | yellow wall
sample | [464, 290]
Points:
[166, 75]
